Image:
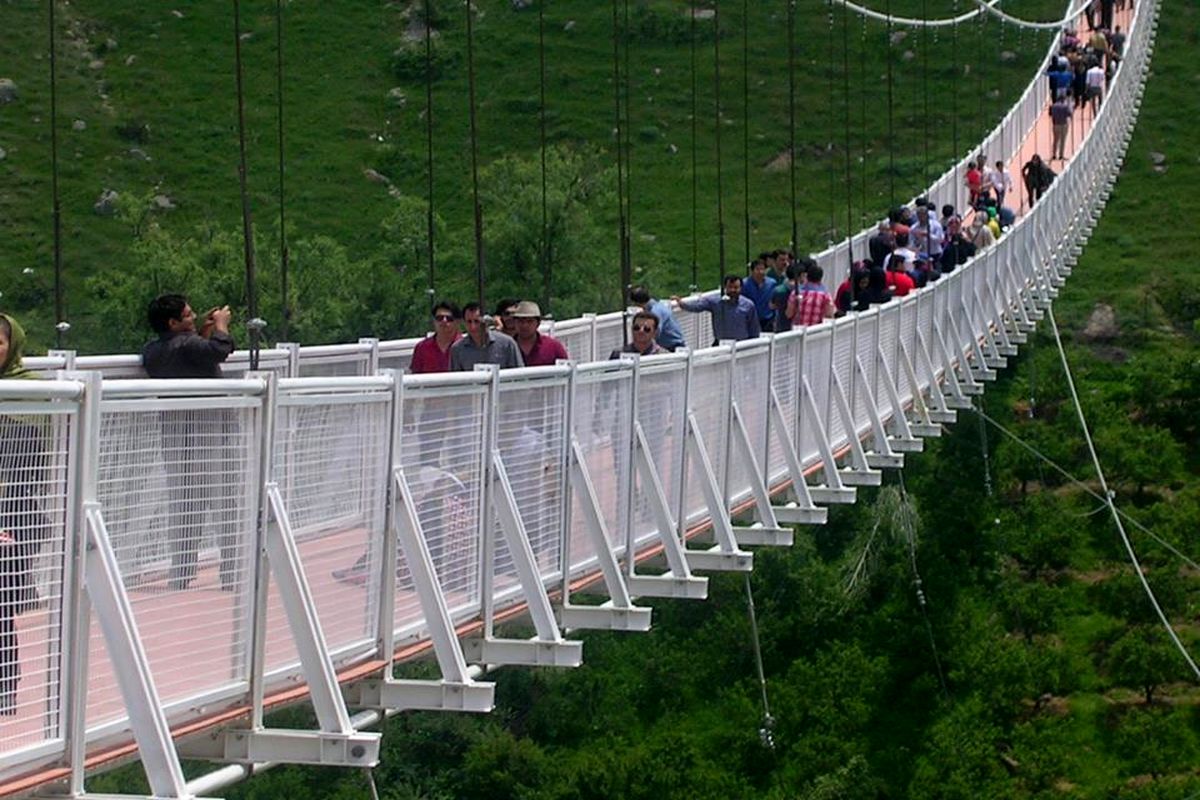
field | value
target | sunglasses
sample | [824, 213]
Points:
[644, 328]
[443, 317]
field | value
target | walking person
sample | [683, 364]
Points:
[24, 527]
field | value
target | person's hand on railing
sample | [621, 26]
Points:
[6, 538]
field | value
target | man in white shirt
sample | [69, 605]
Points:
[927, 235]
[1001, 182]
[1095, 86]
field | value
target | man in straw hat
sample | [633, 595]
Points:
[537, 349]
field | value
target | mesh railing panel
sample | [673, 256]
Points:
[751, 384]
[348, 365]
[710, 403]
[907, 337]
[276, 362]
[924, 343]
[865, 340]
[330, 461]
[843, 356]
[662, 390]
[945, 325]
[397, 353]
[693, 327]
[889, 333]
[177, 485]
[577, 338]
[531, 423]
[610, 334]
[785, 378]
[603, 421]
[34, 504]
[443, 445]
[818, 355]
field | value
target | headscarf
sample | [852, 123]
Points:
[13, 368]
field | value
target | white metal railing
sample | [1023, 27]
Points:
[203, 547]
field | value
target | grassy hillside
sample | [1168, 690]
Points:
[155, 88]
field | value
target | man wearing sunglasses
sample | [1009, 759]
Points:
[643, 332]
[433, 352]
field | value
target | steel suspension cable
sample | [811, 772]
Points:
[627, 253]
[983, 447]
[746, 123]
[891, 122]
[1079, 484]
[925, 177]
[1000, 51]
[695, 159]
[954, 106]
[618, 120]
[846, 136]
[791, 40]
[1108, 499]
[862, 101]
[544, 254]
[61, 326]
[979, 70]
[919, 589]
[766, 732]
[253, 323]
[717, 132]
[430, 232]
[1069, 17]
[911, 21]
[480, 265]
[284, 288]
[830, 133]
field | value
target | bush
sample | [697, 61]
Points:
[409, 62]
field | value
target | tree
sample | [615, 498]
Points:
[1158, 741]
[1143, 657]
[580, 246]
[961, 760]
[1139, 454]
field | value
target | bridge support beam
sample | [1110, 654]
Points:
[548, 648]
[725, 555]
[678, 581]
[834, 490]
[767, 531]
[336, 743]
[619, 612]
[803, 510]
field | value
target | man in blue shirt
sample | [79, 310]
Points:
[733, 316]
[670, 335]
[758, 288]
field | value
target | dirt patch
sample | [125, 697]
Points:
[782, 162]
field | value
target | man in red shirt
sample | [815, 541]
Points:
[432, 354]
[974, 181]
[536, 349]
[898, 278]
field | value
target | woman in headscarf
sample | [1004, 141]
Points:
[849, 295]
[877, 288]
[23, 525]
[12, 343]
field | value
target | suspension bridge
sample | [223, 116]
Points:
[216, 549]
